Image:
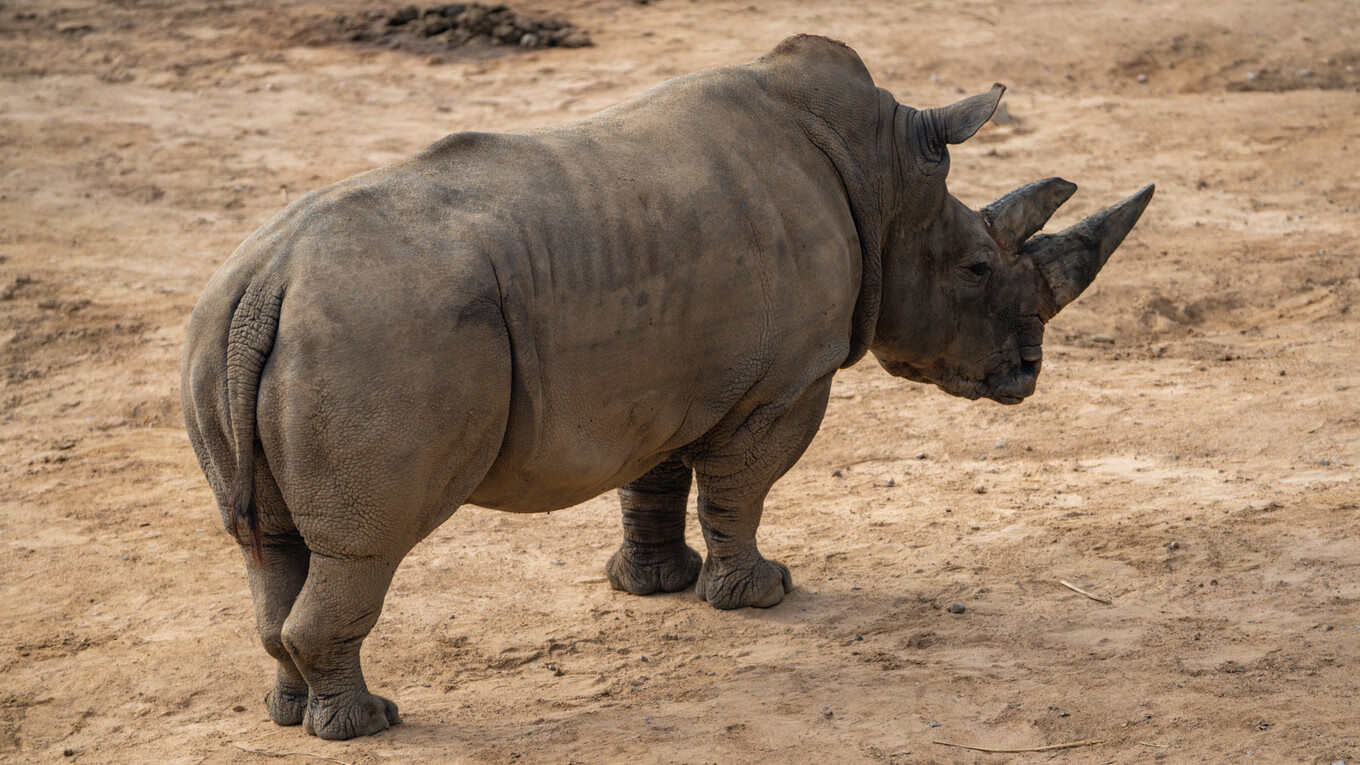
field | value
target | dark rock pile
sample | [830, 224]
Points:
[456, 24]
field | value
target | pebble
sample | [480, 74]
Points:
[1142, 78]
[957, 608]
[921, 455]
[1174, 546]
[1305, 72]
[826, 712]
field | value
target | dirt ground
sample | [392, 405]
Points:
[1191, 454]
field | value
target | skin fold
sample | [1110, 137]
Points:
[652, 298]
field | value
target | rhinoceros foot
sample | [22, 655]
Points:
[760, 584]
[643, 570]
[287, 706]
[347, 717]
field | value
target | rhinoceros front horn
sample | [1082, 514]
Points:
[1070, 260]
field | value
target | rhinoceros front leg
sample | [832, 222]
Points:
[733, 482]
[654, 556]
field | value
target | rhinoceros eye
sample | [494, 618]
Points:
[980, 269]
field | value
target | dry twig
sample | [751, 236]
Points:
[1049, 748]
[268, 753]
[1075, 588]
[1159, 746]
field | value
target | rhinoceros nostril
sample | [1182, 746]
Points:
[1031, 353]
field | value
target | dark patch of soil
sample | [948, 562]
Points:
[437, 28]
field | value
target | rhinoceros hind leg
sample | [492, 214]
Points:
[274, 586]
[654, 556]
[335, 611]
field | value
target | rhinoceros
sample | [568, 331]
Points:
[657, 294]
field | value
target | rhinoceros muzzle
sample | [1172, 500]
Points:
[1016, 385]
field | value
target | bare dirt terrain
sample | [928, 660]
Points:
[1192, 453]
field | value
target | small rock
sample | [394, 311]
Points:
[890, 483]
[238, 708]
[1142, 78]
[1174, 545]
[576, 39]
[957, 608]
[922, 455]
[980, 490]
[1106, 339]
[1305, 72]
[826, 712]
[858, 636]
[68, 753]
[837, 473]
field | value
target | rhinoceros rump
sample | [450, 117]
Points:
[657, 294]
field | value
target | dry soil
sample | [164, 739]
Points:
[1191, 454]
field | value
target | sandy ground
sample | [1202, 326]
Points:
[1191, 454]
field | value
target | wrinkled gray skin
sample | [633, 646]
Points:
[658, 294]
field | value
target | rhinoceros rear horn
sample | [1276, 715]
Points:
[958, 122]
[1070, 260]
[1014, 218]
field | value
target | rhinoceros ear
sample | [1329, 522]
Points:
[958, 122]
[1015, 217]
[1070, 260]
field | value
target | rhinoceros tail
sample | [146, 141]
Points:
[249, 342]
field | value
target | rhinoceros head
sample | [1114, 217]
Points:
[966, 293]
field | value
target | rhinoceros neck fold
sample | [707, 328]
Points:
[859, 145]
[850, 121]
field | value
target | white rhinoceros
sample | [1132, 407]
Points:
[659, 292]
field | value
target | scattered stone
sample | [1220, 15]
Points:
[826, 712]
[1142, 78]
[922, 455]
[980, 489]
[1174, 545]
[1305, 72]
[837, 473]
[957, 608]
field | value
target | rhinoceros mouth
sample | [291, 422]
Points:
[1009, 385]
